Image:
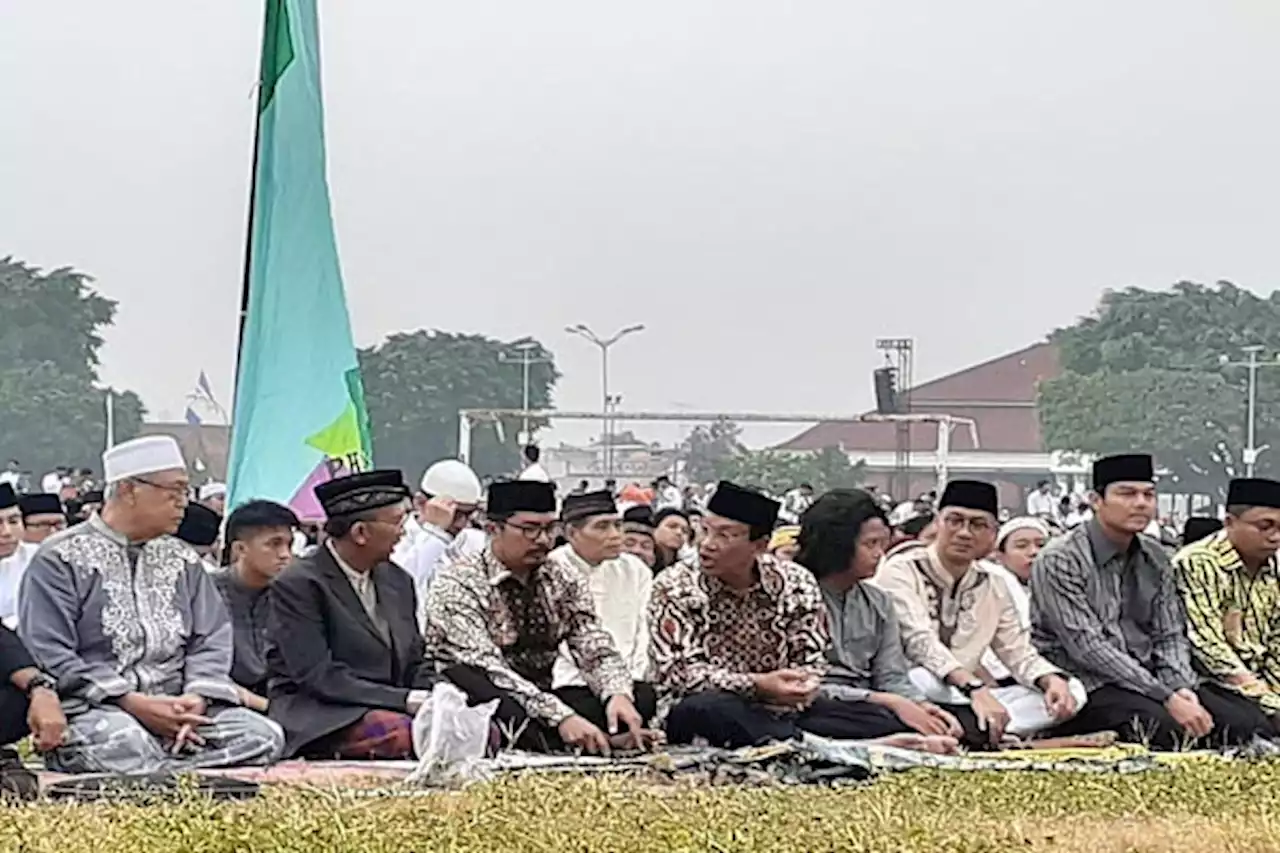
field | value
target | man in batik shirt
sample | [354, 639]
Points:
[1230, 585]
[739, 639]
[126, 619]
[495, 621]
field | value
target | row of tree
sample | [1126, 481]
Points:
[1155, 370]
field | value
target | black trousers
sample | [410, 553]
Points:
[13, 715]
[1139, 719]
[729, 720]
[533, 735]
[588, 705]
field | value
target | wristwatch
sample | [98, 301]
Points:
[44, 680]
[971, 687]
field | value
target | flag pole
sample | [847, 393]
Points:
[253, 199]
[111, 420]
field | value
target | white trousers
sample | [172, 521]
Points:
[1027, 713]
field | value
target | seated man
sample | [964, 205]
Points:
[42, 516]
[843, 537]
[346, 667]
[619, 585]
[1104, 604]
[739, 640]
[259, 541]
[496, 621]
[1017, 543]
[1230, 586]
[637, 535]
[126, 619]
[15, 555]
[952, 609]
[439, 529]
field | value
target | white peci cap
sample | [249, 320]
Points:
[452, 479]
[145, 455]
[212, 490]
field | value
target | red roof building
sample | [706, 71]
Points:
[999, 395]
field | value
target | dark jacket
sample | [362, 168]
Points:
[327, 664]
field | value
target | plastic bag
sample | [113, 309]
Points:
[449, 737]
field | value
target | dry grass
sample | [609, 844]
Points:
[1218, 808]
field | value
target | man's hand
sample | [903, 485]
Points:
[622, 711]
[166, 716]
[916, 716]
[439, 512]
[45, 718]
[787, 688]
[993, 717]
[579, 733]
[954, 729]
[1058, 700]
[1186, 710]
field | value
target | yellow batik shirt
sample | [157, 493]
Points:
[1233, 618]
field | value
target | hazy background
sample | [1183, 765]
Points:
[767, 185]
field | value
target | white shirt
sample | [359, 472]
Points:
[430, 549]
[51, 483]
[620, 589]
[535, 472]
[1021, 601]
[1041, 505]
[13, 478]
[12, 568]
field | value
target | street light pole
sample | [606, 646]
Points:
[1251, 450]
[604, 344]
[525, 359]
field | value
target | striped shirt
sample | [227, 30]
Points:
[1233, 616]
[1110, 616]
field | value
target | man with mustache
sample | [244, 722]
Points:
[495, 622]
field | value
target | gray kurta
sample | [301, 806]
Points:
[106, 618]
[866, 646]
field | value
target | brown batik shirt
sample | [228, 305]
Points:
[480, 614]
[706, 635]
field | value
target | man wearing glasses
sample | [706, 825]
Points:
[495, 622]
[124, 618]
[952, 609]
[42, 516]
[346, 665]
[1230, 585]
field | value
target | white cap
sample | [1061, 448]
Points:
[1025, 522]
[145, 455]
[213, 490]
[452, 479]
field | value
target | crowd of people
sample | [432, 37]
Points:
[154, 635]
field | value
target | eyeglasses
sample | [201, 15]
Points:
[178, 492]
[534, 532]
[956, 523]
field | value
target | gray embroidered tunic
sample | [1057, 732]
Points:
[106, 617]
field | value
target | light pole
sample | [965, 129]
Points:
[1251, 450]
[584, 331]
[525, 359]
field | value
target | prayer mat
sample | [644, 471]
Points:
[149, 787]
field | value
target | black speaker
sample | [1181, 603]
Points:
[886, 382]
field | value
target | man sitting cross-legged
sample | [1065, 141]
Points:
[126, 619]
[346, 666]
[952, 609]
[496, 621]
[739, 640]
[843, 537]
[620, 585]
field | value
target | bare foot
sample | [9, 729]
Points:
[936, 744]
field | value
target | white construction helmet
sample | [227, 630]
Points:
[452, 479]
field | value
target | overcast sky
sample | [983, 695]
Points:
[767, 185]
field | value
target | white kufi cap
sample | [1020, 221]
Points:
[145, 455]
[452, 479]
[213, 490]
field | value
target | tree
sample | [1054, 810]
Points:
[1146, 372]
[415, 383]
[778, 471]
[707, 447]
[54, 412]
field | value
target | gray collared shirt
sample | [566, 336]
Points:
[1110, 616]
[866, 646]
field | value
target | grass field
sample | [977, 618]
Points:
[1220, 808]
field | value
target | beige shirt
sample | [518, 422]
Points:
[948, 624]
[620, 590]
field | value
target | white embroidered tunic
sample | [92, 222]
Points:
[106, 617]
